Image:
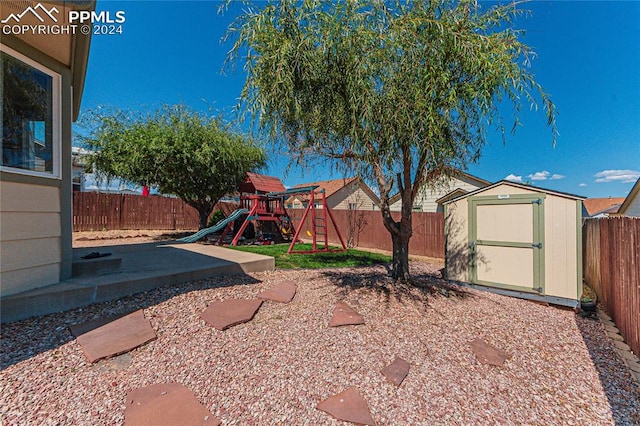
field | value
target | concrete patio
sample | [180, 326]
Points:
[130, 269]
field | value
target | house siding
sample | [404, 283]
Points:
[354, 192]
[342, 198]
[634, 208]
[30, 236]
[427, 197]
[36, 212]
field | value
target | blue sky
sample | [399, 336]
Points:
[587, 59]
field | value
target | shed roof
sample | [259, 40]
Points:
[456, 193]
[518, 185]
[255, 182]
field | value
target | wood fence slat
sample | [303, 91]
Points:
[612, 267]
[95, 211]
[364, 229]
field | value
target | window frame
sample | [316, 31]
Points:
[56, 117]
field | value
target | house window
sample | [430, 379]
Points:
[352, 206]
[30, 116]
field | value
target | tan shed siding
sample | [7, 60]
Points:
[561, 263]
[30, 235]
[561, 239]
[457, 241]
[457, 233]
[505, 189]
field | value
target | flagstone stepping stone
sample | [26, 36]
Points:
[343, 314]
[396, 371]
[166, 404]
[487, 354]
[99, 339]
[80, 329]
[282, 293]
[348, 406]
[227, 313]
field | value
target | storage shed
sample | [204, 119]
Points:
[517, 240]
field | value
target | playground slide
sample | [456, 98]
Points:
[215, 228]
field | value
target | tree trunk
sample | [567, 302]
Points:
[400, 256]
[400, 235]
[204, 217]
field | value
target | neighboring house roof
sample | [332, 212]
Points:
[255, 182]
[332, 186]
[455, 173]
[518, 185]
[595, 206]
[460, 173]
[606, 212]
[633, 194]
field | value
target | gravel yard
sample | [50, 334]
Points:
[275, 369]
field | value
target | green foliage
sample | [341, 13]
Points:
[402, 93]
[177, 150]
[215, 217]
[349, 258]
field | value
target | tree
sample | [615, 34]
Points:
[176, 149]
[400, 92]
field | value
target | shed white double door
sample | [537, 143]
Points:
[506, 236]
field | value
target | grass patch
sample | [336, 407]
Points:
[351, 257]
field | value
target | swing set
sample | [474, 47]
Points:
[270, 208]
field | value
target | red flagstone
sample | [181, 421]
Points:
[487, 354]
[343, 314]
[115, 337]
[79, 329]
[227, 313]
[396, 371]
[348, 406]
[282, 292]
[166, 404]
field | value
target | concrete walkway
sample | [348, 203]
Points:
[130, 269]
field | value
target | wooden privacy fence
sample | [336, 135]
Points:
[95, 211]
[612, 267]
[364, 228]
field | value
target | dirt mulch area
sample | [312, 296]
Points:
[275, 369]
[117, 237]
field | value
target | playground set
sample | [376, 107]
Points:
[267, 210]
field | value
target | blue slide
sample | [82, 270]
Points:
[215, 228]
